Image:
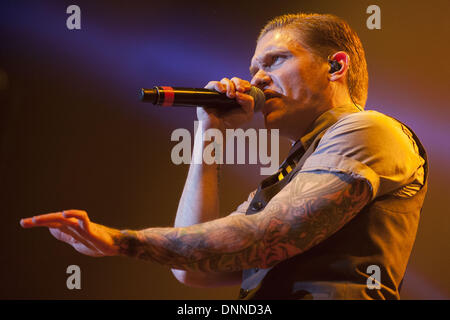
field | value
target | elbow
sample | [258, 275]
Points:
[198, 279]
[188, 278]
[180, 275]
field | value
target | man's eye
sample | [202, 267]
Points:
[275, 60]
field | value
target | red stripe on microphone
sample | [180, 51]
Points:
[169, 96]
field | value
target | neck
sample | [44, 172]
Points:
[304, 127]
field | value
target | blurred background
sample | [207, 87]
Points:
[73, 133]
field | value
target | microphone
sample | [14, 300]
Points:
[193, 97]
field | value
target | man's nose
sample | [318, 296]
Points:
[261, 79]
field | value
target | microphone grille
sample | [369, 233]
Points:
[258, 96]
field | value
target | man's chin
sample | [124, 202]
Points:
[272, 120]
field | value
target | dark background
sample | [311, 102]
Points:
[74, 135]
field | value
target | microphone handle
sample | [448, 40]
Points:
[187, 97]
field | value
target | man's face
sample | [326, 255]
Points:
[294, 80]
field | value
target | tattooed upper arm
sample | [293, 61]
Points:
[312, 207]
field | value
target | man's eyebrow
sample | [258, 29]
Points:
[270, 51]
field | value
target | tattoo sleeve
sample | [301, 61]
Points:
[312, 207]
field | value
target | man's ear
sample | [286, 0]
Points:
[344, 60]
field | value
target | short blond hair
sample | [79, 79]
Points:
[323, 35]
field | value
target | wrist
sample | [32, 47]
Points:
[208, 144]
[126, 242]
[212, 124]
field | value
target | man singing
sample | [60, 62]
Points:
[339, 218]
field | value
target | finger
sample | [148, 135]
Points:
[210, 85]
[81, 215]
[78, 236]
[50, 219]
[28, 223]
[62, 234]
[241, 85]
[247, 102]
[72, 238]
[216, 85]
[45, 220]
[231, 89]
[82, 231]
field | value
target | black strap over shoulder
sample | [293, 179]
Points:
[270, 186]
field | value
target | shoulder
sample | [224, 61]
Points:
[372, 130]
[372, 145]
[369, 121]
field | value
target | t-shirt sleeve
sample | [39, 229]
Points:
[373, 146]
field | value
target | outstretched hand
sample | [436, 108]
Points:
[75, 228]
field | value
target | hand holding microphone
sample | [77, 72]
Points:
[250, 99]
[226, 103]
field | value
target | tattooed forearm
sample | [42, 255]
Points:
[307, 211]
